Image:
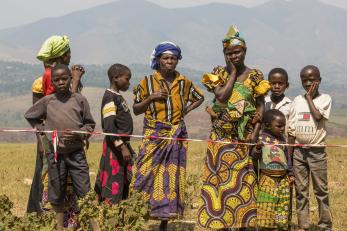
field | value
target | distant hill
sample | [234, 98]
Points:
[198, 121]
[16, 78]
[13, 109]
[278, 33]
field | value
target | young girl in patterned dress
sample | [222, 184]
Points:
[276, 176]
[114, 175]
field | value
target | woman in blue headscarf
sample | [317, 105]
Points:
[165, 97]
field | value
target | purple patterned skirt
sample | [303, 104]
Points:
[160, 169]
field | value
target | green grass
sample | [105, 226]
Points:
[17, 167]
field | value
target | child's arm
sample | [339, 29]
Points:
[291, 140]
[40, 149]
[309, 97]
[88, 121]
[37, 113]
[88, 124]
[289, 162]
[321, 110]
[77, 71]
[291, 128]
[289, 157]
[37, 97]
[108, 113]
[260, 108]
[257, 151]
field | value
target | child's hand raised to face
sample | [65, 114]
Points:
[310, 80]
[313, 89]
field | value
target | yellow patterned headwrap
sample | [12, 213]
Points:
[55, 46]
[233, 38]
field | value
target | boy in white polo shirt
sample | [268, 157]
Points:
[278, 79]
[306, 125]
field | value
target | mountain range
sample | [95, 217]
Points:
[283, 33]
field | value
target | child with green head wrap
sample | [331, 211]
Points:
[54, 47]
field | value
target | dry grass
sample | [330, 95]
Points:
[17, 166]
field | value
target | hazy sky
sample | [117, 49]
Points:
[17, 12]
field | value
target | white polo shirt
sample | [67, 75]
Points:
[283, 106]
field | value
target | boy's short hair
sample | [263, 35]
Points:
[117, 70]
[60, 67]
[279, 70]
[271, 114]
[310, 67]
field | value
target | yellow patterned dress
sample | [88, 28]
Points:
[228, 194]
[273, 198]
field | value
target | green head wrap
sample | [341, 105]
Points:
[55, 46]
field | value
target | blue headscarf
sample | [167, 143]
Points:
[164, 47]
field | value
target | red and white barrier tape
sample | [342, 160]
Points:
[171, 138]
[55, 142]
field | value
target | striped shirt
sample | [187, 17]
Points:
[181, 92]
[115, 116]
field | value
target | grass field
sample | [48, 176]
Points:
[17, 166]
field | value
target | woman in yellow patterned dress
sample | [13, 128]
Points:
[228, 194]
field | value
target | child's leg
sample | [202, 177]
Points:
[301, 173]
[318, 166]
[127, 180]
[57, 180]
[283, 203]
[79, 172]
[59, 215]
[35, 196]
[267, 200]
